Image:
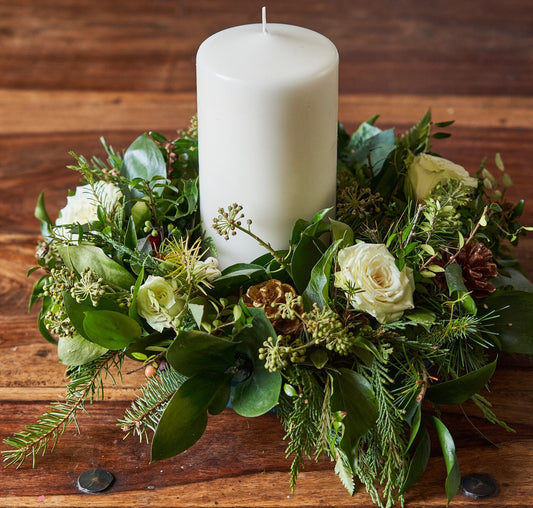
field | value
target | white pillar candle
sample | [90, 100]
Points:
[267, 131]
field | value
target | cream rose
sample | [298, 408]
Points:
[376, 286]
[82, 206]
[157, 303]
[426, 171]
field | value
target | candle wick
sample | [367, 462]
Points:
[264, 17]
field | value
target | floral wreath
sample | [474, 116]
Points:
[403, 298]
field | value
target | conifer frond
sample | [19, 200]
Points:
[85, 384]
[147, 409]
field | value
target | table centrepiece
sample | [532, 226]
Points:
[372, 314]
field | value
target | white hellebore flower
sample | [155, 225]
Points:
[380, 288]
[426, 171]
[209, 267]
[81, 208]
[157, 303]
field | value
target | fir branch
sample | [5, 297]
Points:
[146, 410]
[85, 383]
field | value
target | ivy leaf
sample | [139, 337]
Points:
[453, 477]
[260, 392]
[143, 160]
[512, 320]
[185, 418]
[194, 352]
[111, 329]
[79, 257]
[457, 391]
[353, 394]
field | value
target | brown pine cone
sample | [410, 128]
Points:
[476, 261]
[265, 295]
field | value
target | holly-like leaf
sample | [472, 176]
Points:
[457, 391]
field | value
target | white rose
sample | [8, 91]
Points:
[157, 303]
[381, 289]
[426, 171]
[82, 207]
[209, 267]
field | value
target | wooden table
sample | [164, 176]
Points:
[71, 71]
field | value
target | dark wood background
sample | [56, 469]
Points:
[72, 71]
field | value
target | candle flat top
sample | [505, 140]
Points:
[286, 54]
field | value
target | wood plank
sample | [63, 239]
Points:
[482, 47]
[38, 112]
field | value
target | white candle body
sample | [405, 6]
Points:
[267, 131]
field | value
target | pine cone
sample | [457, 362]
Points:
[265, 295]
[475, 260]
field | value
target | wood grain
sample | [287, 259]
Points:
[71, 72]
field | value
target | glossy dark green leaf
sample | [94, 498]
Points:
[317, 290]
[453, 476]
[143, 160]
[461, 389]
[353, 394]
[419, 460]
[414, 423]
[111, 329]
[455, 282]
[193, 352]
[79, 257]
[220, 399]
[76, 310]
[260, 392]
[237, 276]
[513, 321]
[185, 418]
[132, 311]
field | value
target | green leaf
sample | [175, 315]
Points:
[75, 350]
[341, 231]
[455, 282]
[76, 310]
[237, 276]
[42, 215]
[260, 392]
[415, 424]
[353, 394]
[185, 418]
[461, 389]
[130, 237]
[193, 352]
[453, 477]
[111, 329]
[79, 257]
[319, 357]
[512, 321]
[318, 288]
[144, 160]
[419, 460]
